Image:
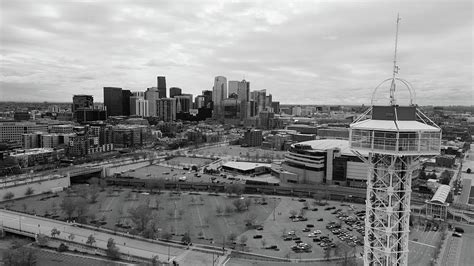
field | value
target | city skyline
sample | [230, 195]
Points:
[318, 51]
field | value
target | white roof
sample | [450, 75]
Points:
[245, 166]
[393, 125]
[326, 144]
[441, 194]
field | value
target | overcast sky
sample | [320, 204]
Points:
[302, 52]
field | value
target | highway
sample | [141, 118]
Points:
[127, 246]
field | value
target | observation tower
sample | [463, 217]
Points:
[390, 139]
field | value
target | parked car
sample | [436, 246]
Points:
[310, 225]
[257, 236]
[306, 230]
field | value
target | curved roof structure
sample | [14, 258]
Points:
[325, 144]
[441, 194]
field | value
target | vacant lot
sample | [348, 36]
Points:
[188, 161]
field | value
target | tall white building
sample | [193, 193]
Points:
[152, 95]
[139, 106]
[219, 93]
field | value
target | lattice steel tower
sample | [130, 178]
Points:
[390, 139]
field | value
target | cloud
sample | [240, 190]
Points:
[300, 51]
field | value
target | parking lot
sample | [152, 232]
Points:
[301, 238]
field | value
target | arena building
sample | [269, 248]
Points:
[328, 161]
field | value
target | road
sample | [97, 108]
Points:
[135, 247]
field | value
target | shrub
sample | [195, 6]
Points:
[63, 248]
[29, 191]
[9, 196]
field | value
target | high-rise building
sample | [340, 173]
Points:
[82, 101]
[268, 102]
[166, 109]
[243, 90]
[208, 98]
[184, 102]
[276, 107]
[233, 87]
[139, 106]
[199, 101]
[252, 138]
[113, 100]
[219, 93]
[260, 99]
[175, 91]
[126, 94]
[152, 95]
[161, 85]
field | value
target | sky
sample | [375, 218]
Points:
[302, 52]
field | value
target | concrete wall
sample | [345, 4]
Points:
[38, 187]
[305, 176]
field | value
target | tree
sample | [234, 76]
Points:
[68, 206]
[247, 202]
[186, 239]
[42, 240]
[264, 242]
[29, 191]
[71, 237]
[90, 240]
[9, 195]
[239, 205]
[19, 254]
[250, 219]
[446, 177]
[112, 250]
[140, 215]
[468, 170]
[55, 232]
[155, 260]
[166, 235]
[81, 209]
[327, 253]
[93, 193]
[232, 237]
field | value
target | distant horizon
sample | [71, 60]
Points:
[281, 104]
[308, 52]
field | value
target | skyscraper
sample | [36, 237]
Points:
[139, 106]
[82, 102]
[219, 93]
[233, 87]
[243, 90]
[207, 98]
[113, 101]
[166, 109]
[184, 102]
[152, 94]
[175, 91]
[161, 85]
[126, 94]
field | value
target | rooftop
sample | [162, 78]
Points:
[326, 144]
[245, 166]
[389, 125]
[441, 194]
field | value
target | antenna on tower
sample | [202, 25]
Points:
[395, 67]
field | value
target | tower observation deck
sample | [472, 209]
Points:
[395, 137]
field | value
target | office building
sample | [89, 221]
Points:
[174, 91]
[260, 98]
[82, 102]
[231, 108]
[161, 85]
[199, 101]
[184, 103]
[233, 87]
[243, 90]
[113, 100]
[13, 132]
[139, 106]
[126, 94]
[208, 98]
[219, 93]
[166, 109]
[276, 107]
[22, 116]
[88, 115]
[252, 138]
[152, 95]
